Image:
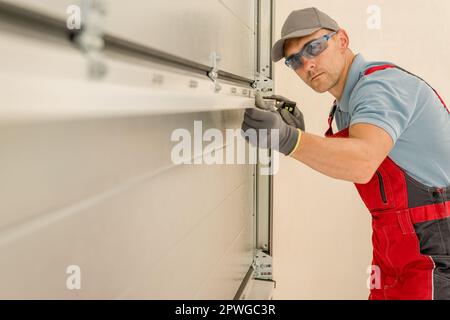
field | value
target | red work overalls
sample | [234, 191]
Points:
[411, 230]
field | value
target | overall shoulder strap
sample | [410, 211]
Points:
[334, 107]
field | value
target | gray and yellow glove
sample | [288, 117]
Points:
[267, 117]
[288, 110]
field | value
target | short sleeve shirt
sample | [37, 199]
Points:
[408, 110]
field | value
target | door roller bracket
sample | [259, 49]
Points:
[214, 73]
[262, 265]
[263, 84]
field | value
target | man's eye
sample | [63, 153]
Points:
[314, 48]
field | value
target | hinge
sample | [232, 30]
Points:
[90, 39]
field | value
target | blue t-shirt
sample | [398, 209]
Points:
[408, 110]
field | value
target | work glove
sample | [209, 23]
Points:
[287, 109]
[267, 117]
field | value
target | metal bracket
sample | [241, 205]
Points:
[262, 264]
[263, 84]
[90, 39]
[214, 73]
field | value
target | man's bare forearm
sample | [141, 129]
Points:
[341, 158]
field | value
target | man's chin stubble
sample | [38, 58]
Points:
[319, 90]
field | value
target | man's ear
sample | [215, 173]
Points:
[343, 40]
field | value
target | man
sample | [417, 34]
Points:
[393, 143]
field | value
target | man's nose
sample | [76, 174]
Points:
[308, 64]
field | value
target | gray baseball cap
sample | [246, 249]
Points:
[302, 23]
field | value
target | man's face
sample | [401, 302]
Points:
[323, 72]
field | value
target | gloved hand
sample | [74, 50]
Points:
[268, 118]
[287, 109]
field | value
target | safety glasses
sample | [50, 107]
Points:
[310, 50]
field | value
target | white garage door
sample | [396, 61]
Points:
[89, 192]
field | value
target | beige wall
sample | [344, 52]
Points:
[322, 230]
